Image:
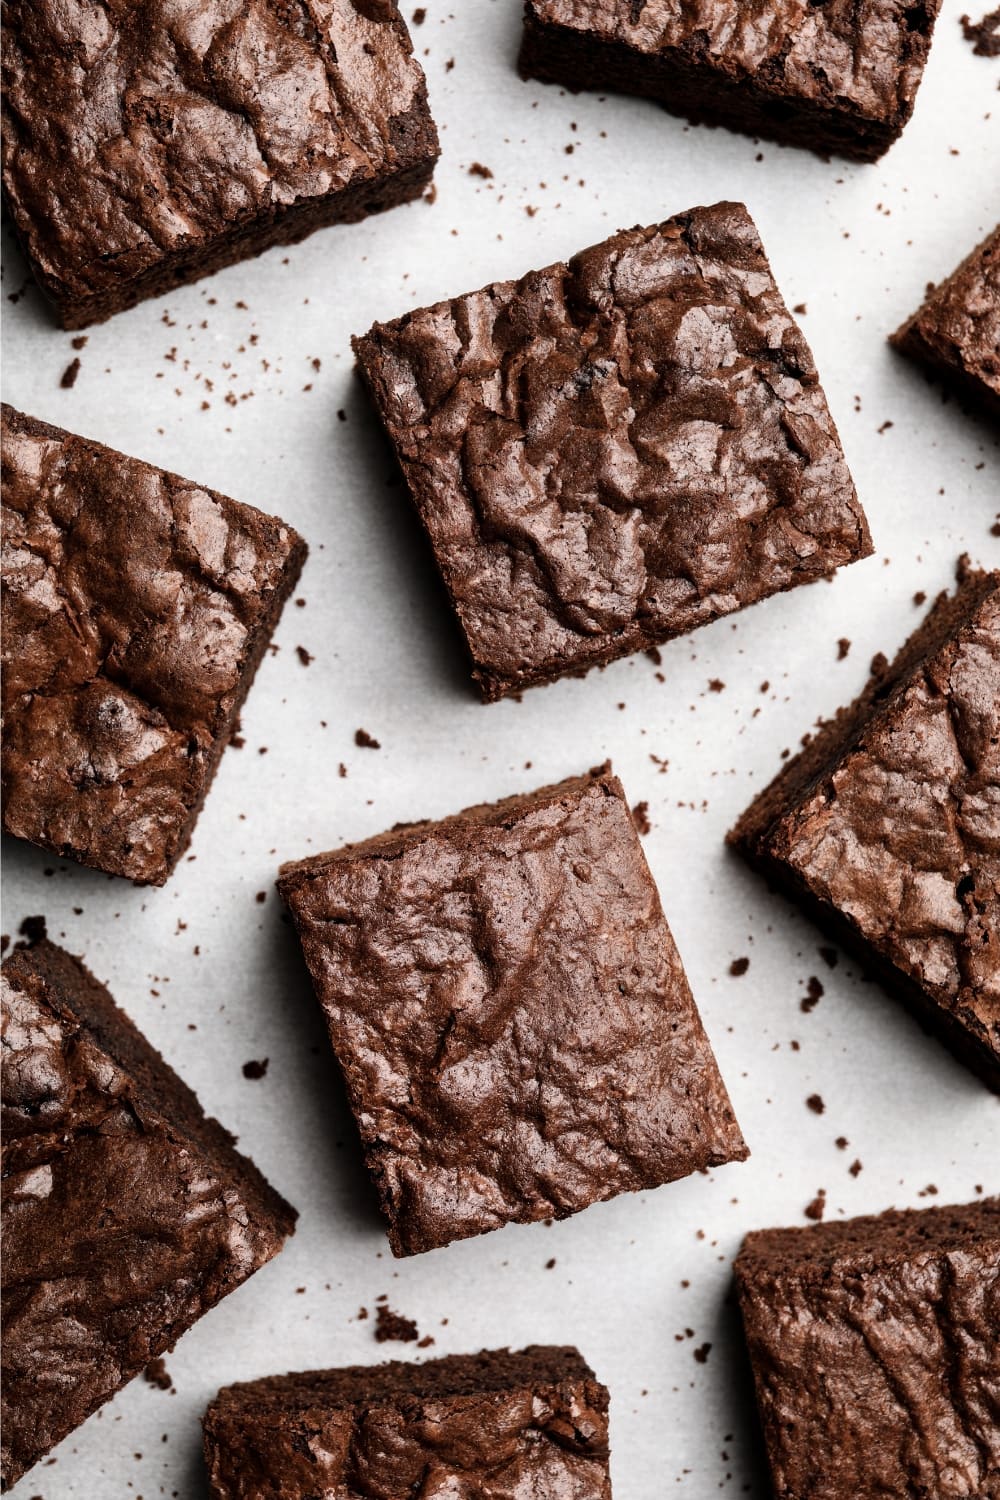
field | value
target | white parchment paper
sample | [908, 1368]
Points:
[213, 975]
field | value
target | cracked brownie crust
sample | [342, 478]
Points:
[887, 826]
[833, 75]
[136, 609]
[494, 1424]
[609, 453]
[147, 144]
[956, 333]
[126, 1211]
[876, 1353]
[510, 1013]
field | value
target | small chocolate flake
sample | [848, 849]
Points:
[365, 740]
[843, 647]
[69, 375]
[738, 967]
[814, 993]
[640, 817]
[304, 656]
[854, 1168]
[254, 1069]
[815, 1103]
[701, 1353]
[817, 1208]
[394, 1327]
[156, 1373]
[477, 169]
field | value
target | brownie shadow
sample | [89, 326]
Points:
[20, 286]
[981, 423]
[404, 546]
[745, 1432]
[321, 1101]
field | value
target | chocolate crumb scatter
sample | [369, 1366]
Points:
[426, 1342]
[260, 897]
[304, 656]
[738, 967]
[813, 995]
[254, 1069]
[701, 1353]
[843, 648]
[477, 169]
[640, 817]
[80, 342]
[365, 740]
[716, 685]
[419, 16]
[842, 1143]
[854, 1168]
[815, 1103]
[394, 1327]
[72, 370]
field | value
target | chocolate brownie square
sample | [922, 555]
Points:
[876, 1354]
[510, 1013]
[493, 1425]
[147, 144]
[887, 826]
[956, 333]
[832, 75]
[609, 453]
[136, 609]
[126, 1211]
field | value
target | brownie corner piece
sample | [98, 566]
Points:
[885, 827]
[873, 1343]
[611, 452]
[146, 148]
[126, 1212]
[136, 609]
[830, 78]
[955, 333]
[495, 1424]
[510, 1013]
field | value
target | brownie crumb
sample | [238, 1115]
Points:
[816, 1209]
[479, 170]
[365, 740]
[72, 370]
[843, 647]
[255, 1069]
[341, 770]
[813, 995]
[80, 342]
[842, 1143]
[984, 34]
[260, 898]
[815, 1103]
[33, 930]
[156, 1373]
[419, 16]
[738, 967]
[394, 1327]
[701, 1353]
[919, 598]
[550, 1265]
[304, 656]
[716, 685]
[854, 1168]
[640, 817]
[4, 941]
[426, 1342]
[800, 308]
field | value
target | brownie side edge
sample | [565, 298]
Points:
[704, 93]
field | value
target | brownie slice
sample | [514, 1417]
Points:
[146, 145]
[510, 1013]
[876, 1352]
[832, 75]
[956, 333]
[493, 1425]
[136, 609]
[127, 1212]
[887, 826]
[609, 453]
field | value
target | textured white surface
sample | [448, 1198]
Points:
[214, 978]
